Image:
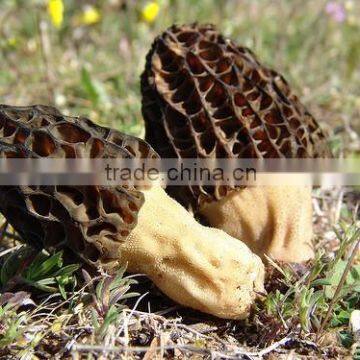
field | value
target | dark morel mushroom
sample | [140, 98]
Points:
[106, 226]
[206, 97]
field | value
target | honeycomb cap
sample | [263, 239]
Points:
[203, 96]
[90, 220]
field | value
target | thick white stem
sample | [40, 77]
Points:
[196, 266]
[271, 220]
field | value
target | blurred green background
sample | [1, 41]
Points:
[86, 56]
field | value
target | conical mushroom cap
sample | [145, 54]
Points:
[206, 97]
[90, 220]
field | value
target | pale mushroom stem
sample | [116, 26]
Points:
[271, 220]
[197, 266]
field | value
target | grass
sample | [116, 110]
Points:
[47, 308]
[94, 70]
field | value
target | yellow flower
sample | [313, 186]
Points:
[349, 5]
[150, 11]
[56, 12]
[12, 41]
[90, 16]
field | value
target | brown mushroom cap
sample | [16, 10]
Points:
[90, 220]
[204, 96]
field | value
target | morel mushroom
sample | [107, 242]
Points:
[206, 97]
[199, 267]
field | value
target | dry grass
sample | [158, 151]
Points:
[148, 324]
